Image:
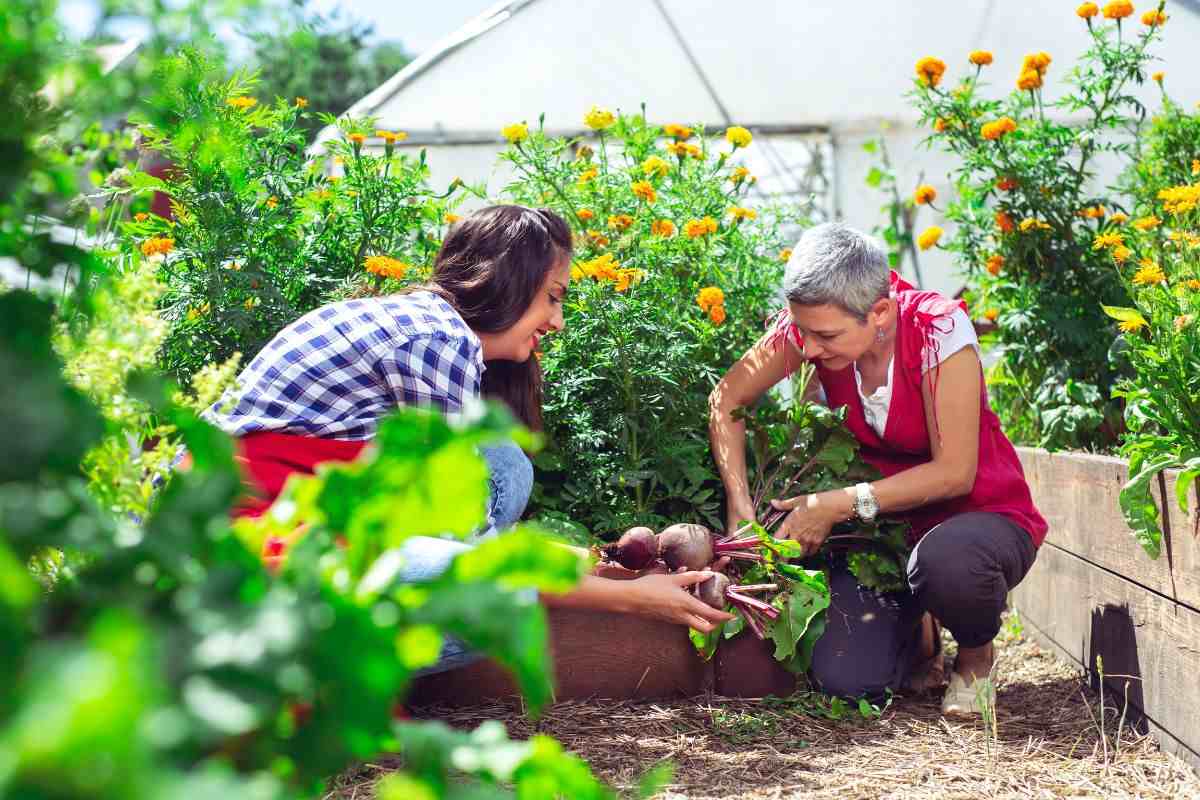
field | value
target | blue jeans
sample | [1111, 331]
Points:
[425, 557]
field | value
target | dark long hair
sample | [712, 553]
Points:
[490, 268]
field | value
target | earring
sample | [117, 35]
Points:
[879, 334]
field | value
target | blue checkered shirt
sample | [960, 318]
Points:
[335, 371]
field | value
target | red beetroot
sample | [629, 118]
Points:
[636, 549]
[686, 545]
[712, 591]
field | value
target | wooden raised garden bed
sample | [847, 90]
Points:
[1094, 593]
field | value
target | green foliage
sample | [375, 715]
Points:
[1027, 205]
[627, 381]
[900, 213]
[261, 234]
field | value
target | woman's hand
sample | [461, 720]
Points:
[665, 598]
[811, 519]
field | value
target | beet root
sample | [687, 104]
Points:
[636, 549]
[686, 545]
[712, 591]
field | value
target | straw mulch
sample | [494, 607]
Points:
[1047, 743]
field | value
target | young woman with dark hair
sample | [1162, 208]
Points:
[317, 391]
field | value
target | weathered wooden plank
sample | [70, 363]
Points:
[1077, 493]
[1088, 612]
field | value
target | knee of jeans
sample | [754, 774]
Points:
[839, 680]
[511, 482]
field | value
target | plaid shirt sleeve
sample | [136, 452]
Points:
[435, 369]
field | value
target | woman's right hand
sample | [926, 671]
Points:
[666, 598]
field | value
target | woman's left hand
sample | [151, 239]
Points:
[809, 522]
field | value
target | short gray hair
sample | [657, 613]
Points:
[836, 264]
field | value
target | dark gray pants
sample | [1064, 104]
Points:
[961, 572]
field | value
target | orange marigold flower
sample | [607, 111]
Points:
[1121, 254]
[598, 239]
[386, 267]
[1180, 199]
[1118, 9]
[644, 190]
[1004, 222]
[1006, 184]
[1193, 284]
[602, 268]
[391, 137]
[995, 263]
[655, 166]
[357, 138]
[301, 102]
[739, 213]
[141, 216]
[994, 130]
[1196, 164]
[157, 245]
[785, 254]
[1087, 11]
[708, 297]
[452, 218]
[1147, 223]
[1036, 61]
[717, 314]
[620, 221]
[663, 227]
[696, 228]
[930, 70]
[929, 237]
[739, 174]
[1157, 77]
[924, 194]
[588, 175]
[684, 149]
[738, 136]
[242, 103]
[980, 58]
[628, 277]
[1092, 212]
[991, 314]
[1153, 18]
[676, 131]
[272, 201]
[1030, 79]
[940, 125]
[585, 214]
[1149, 275]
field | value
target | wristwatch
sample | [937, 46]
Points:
[865, 504]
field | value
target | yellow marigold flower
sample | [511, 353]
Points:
[1087, 11]
[1149, 275]
[1196, 166]
[250, 303]
[587, 175]
[599, 118]
[628, 277]
[141, 216]
[991, 314]
[357, 138]
[717, 314]
[242, 103]
[620, 221]
[602, 268]
[676, 131]
[1092, 212]
[994, 130]
[386, 267]
[924, 194]
[1004, 222]
[663, 227]
[1147, 223]
[1158, 77]
[995, 263]
[1119, 218]
[1180, 199]
[980, 58]
[739, 174]
[1109, 239]
[930, 70]
[1030, 79]
[1132, 325]
[576, 273]
[700, 227]
[1121, 254]
[584, 153]
[1154, 18]
[391, 137]
[929, 237]
[322, 194]
[655, 166]
[708, 297]
[584, 214]
[452, 218]
[1193, 284]
[1036, 61]
[785, 254]
[1033, 224]
[301, 102]
[515, 133]
[1006, 184]
[644, 190]
[598, 239]
[272, 202]
[1118, 9]
[684, 149]
[740, 213]
[193, 314]
[738, 136]
[157, 245]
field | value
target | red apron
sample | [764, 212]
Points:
[268, 458]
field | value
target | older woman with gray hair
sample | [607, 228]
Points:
[905, 364]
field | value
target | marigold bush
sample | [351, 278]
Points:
[675, 274]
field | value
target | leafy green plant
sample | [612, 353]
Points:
[899, 213]
[674, 277]
[1026, 215]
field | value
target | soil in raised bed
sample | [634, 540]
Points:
[1048, 742]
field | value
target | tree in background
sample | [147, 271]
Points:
[329, 60]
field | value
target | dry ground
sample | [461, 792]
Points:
[1047, 743]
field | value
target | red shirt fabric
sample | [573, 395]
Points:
[1000, 485]
[267, 460]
